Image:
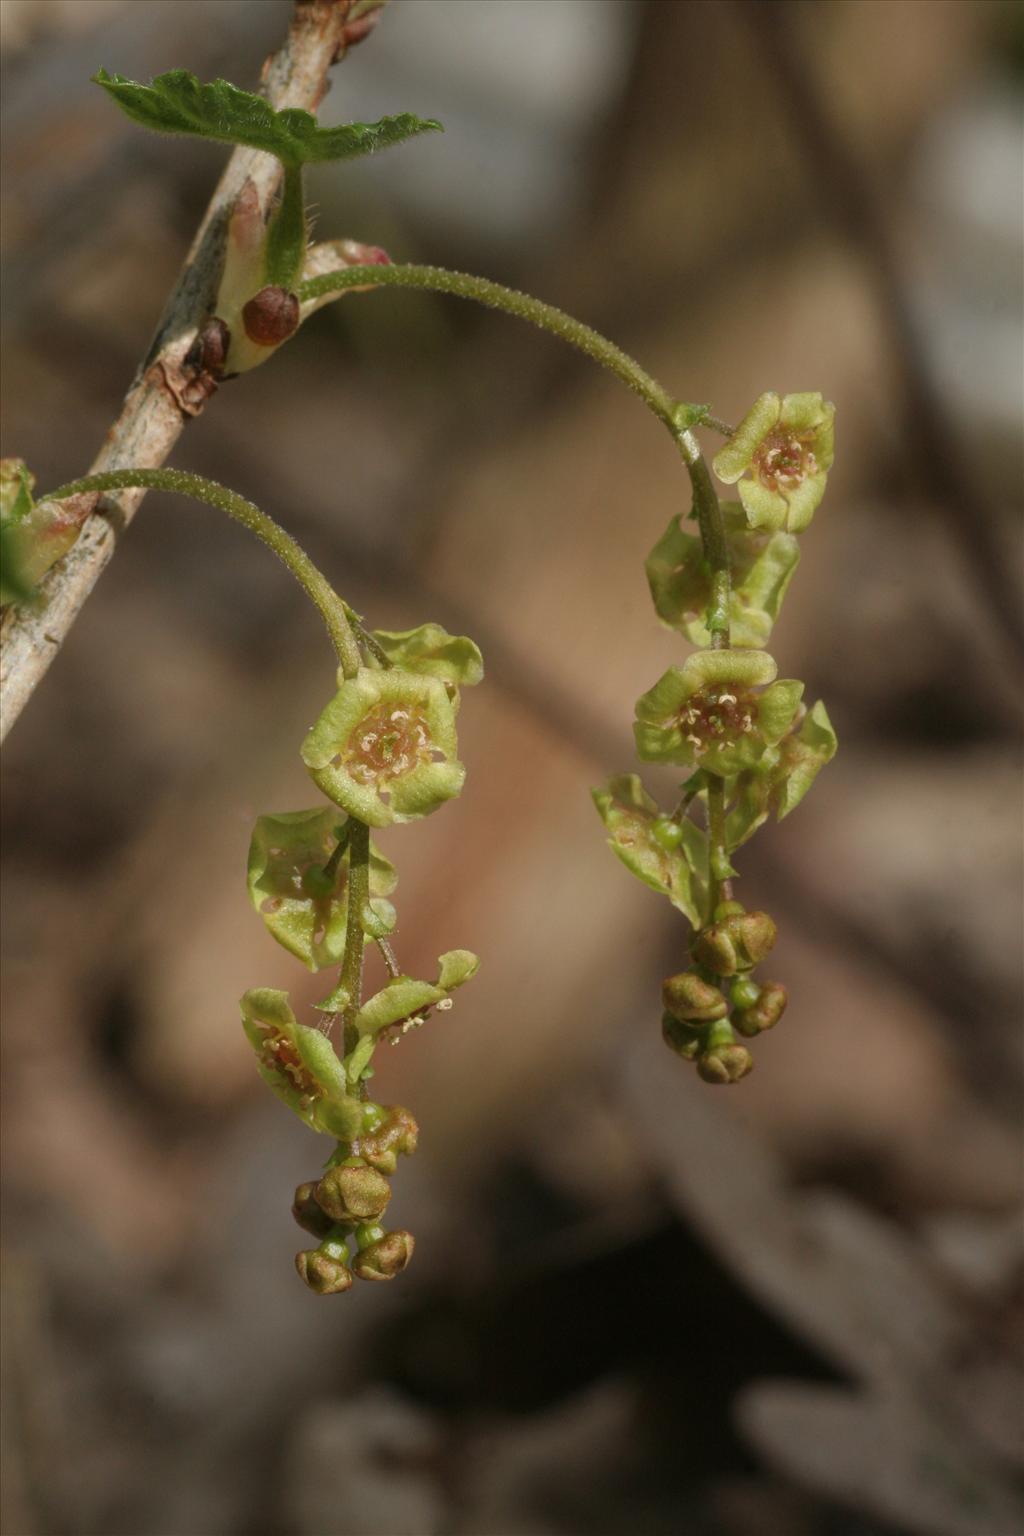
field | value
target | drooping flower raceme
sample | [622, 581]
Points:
[780, 455]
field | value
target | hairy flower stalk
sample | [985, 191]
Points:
[383, 750]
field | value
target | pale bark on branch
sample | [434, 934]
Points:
[172, 383]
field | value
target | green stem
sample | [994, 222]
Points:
[332, 610]
[358, 896]
[720, 884]
[331, 867]
[496, 296]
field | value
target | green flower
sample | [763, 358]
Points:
[787, 447]
[404, 1002]
[783, 776]
[299, 1064]
[707, 713]
[762, 566]
[635, 827]
[303, 907]
[384, 747]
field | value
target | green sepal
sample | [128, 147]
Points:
[175, 102]
[299, 1064]
[311, 927]
[336, 1001]
[354, 723]
[405, 1001]
[430, 649]
[780, 781]
[630, 816]
[680, 579]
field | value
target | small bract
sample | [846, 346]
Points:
[784, 449]
[384, 747]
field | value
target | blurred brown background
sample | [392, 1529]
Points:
[637, 1304]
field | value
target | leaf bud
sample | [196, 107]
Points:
[323, 1274]
[681, 1038]
[725, 1064]
[386, 1258]
[737, 942]
[691, 999]
[271, 316]
[353, 1192]
[310, 1216]
[765, 1012]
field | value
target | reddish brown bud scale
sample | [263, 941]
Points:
[271, 316]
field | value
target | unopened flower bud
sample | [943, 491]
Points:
[765, 1012]
[271, 316]
[387, 1258]
[353, 1192]
[368, 1233]
[667, 833]
[744, 992]
[395, 1135]
[689, 998]
[681, 1038]
[737, 942]
[310, 1216]
[322, 1273]
[725, 1064]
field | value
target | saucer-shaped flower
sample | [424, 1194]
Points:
[304, 908]
[384, 747]
[781, 454]
[716, 712]
[299, 1064]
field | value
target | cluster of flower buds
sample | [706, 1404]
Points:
[707, 1006]
[345, 1207]
[384, 751]
[749, 743]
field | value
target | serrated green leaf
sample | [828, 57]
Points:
[175, 102]
[629, 814]
[762, 568]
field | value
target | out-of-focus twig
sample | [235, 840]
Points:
[174, 380]
[930, 434]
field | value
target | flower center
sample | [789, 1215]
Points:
[281, 1053]
[388, 742]
[784, 460]
[717, 713]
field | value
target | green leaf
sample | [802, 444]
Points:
[681, 587]
[175, 102]
[629, 814]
